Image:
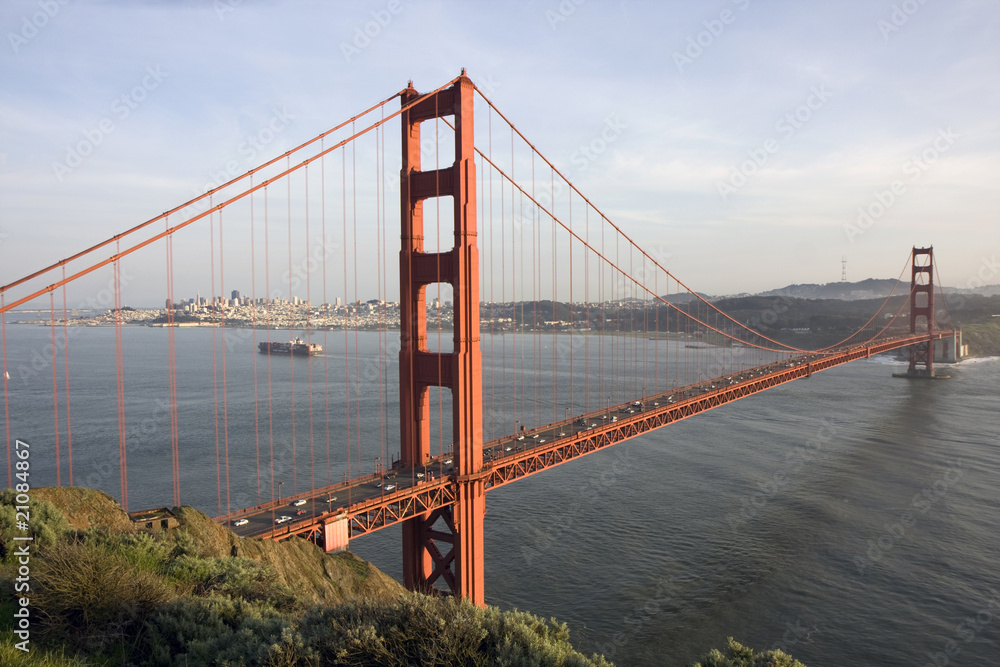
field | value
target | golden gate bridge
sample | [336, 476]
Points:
[564, 336]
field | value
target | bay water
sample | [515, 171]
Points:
[850, 518]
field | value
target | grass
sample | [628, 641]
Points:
[12, 656]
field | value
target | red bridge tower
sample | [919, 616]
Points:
[922, 312]
[446, 544]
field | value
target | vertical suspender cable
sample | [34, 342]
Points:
[120, 368]
[291, 331]
[380, 267]
[493, 366]
[602, 272]
[347, 345]
[308, 333]
[357, 299]
[215, 374]
[536, 272]
[55, 385]
[656, 329]
[587, 401]
[253, 342]
[572, 324]
[225, 392]
[383, 298]
[326, 304]
[555, 298]
[6, 391]
[267, 335]
[172, 370]
[69, 428]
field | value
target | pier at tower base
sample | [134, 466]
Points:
[921, 374]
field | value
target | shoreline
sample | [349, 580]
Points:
[983, 339]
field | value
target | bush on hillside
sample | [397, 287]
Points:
[216, 630]
[233, 577]
[738, 655]
[416, 630]
[146, 552]
[422, 630]
[92, 597]
[45, 523]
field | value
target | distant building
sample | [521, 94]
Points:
[236, 295]
[154, 520]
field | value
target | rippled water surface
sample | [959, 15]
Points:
[851, 518]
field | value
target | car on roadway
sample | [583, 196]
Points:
[299, 503]
[241, 522]
[420, 475]
[389, 487]
[283, 519]
[300, 512]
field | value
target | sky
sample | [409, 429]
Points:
[758, 143]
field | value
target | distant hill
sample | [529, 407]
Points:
[871, 288]
[684, 297]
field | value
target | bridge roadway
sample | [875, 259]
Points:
[376, 501]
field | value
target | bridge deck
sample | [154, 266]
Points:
[374, 502]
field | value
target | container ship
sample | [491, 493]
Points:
[292, 347]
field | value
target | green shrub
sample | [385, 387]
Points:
[423, 630]
[214, 630]
[141, 549]
[234, 577]
[46, 523]
[741, 656]
[91, 597]
[184, 544]
[417, 630]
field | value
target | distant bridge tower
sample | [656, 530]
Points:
[922, 312]
[446, 544]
